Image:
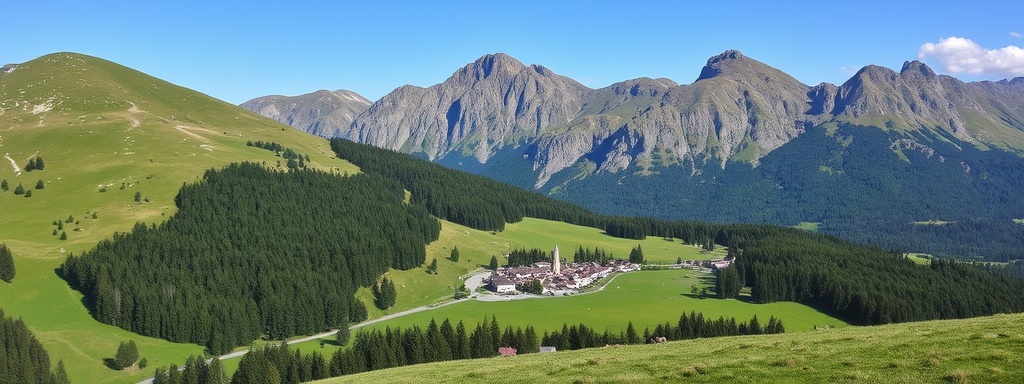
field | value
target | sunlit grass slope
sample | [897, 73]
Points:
[980, 350]
[106, 132]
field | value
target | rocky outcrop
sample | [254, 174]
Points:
[322, 113]
[490, 103]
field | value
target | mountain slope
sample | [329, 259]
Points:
[488, 104]
[100, 126]
[321, 113]
[922, 145]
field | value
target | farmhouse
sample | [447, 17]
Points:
[502, 284]
[507, 351]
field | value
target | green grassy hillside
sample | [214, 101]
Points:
[982, 350]
[105, 133]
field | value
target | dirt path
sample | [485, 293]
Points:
[14, 164]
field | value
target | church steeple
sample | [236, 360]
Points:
[556, 265]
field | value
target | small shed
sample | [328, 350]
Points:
[547, 349]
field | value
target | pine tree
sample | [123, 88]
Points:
[454, 255]
[344, 334]
[63, 235]
[28, 193]
[3, 185]
[40, 184]
[61, 374]
[631, 336]
[384, 294]
[214, 373]
[39, 163]
[636, 256]
[494, 263]
[433, 267]
[126, 355]
[138, 196]
[7, 271]
[19, 190]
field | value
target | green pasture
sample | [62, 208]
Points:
[647, 298]
[980, 350]
[545, 234]
[92, 139]
[920, 258]
[808, 226]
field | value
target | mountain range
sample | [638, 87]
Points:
[744, 142]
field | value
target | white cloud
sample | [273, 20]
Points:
[850, 69]
[1016, 34]
[960, 55]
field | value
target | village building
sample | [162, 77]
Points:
[507, 351]
[502, 284]
[546, 349]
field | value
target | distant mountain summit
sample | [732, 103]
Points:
[322, 113]
[737, 110]
[488, 104]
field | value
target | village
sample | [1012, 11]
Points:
[557, 278]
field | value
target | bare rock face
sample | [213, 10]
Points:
[737, 104]
[737, 110]
[322, 113]
[492, 102]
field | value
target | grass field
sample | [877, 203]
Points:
[808, 226]
[920, 258]
[646, 298]
[97, 125]
[980, 350]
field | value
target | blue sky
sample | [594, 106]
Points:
[239, 50]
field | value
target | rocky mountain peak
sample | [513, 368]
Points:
[917, 67]
[490, 64]
[725, 60]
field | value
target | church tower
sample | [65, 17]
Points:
[556, 265]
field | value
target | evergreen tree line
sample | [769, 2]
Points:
[388, 348]
[861, 284]
[22, 357]
[254, 252]
[7, 271]
[294, 159]
[380, 349]
[523, 257]
[197, 370]
[691, 326]
[460, 197]
[728, 283]
[586, 255]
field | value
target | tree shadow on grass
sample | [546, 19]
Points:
[109, 362]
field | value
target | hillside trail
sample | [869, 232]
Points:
[14, 164]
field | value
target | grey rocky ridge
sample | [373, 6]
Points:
[737, 110]
[322, 113]
[744, 142]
